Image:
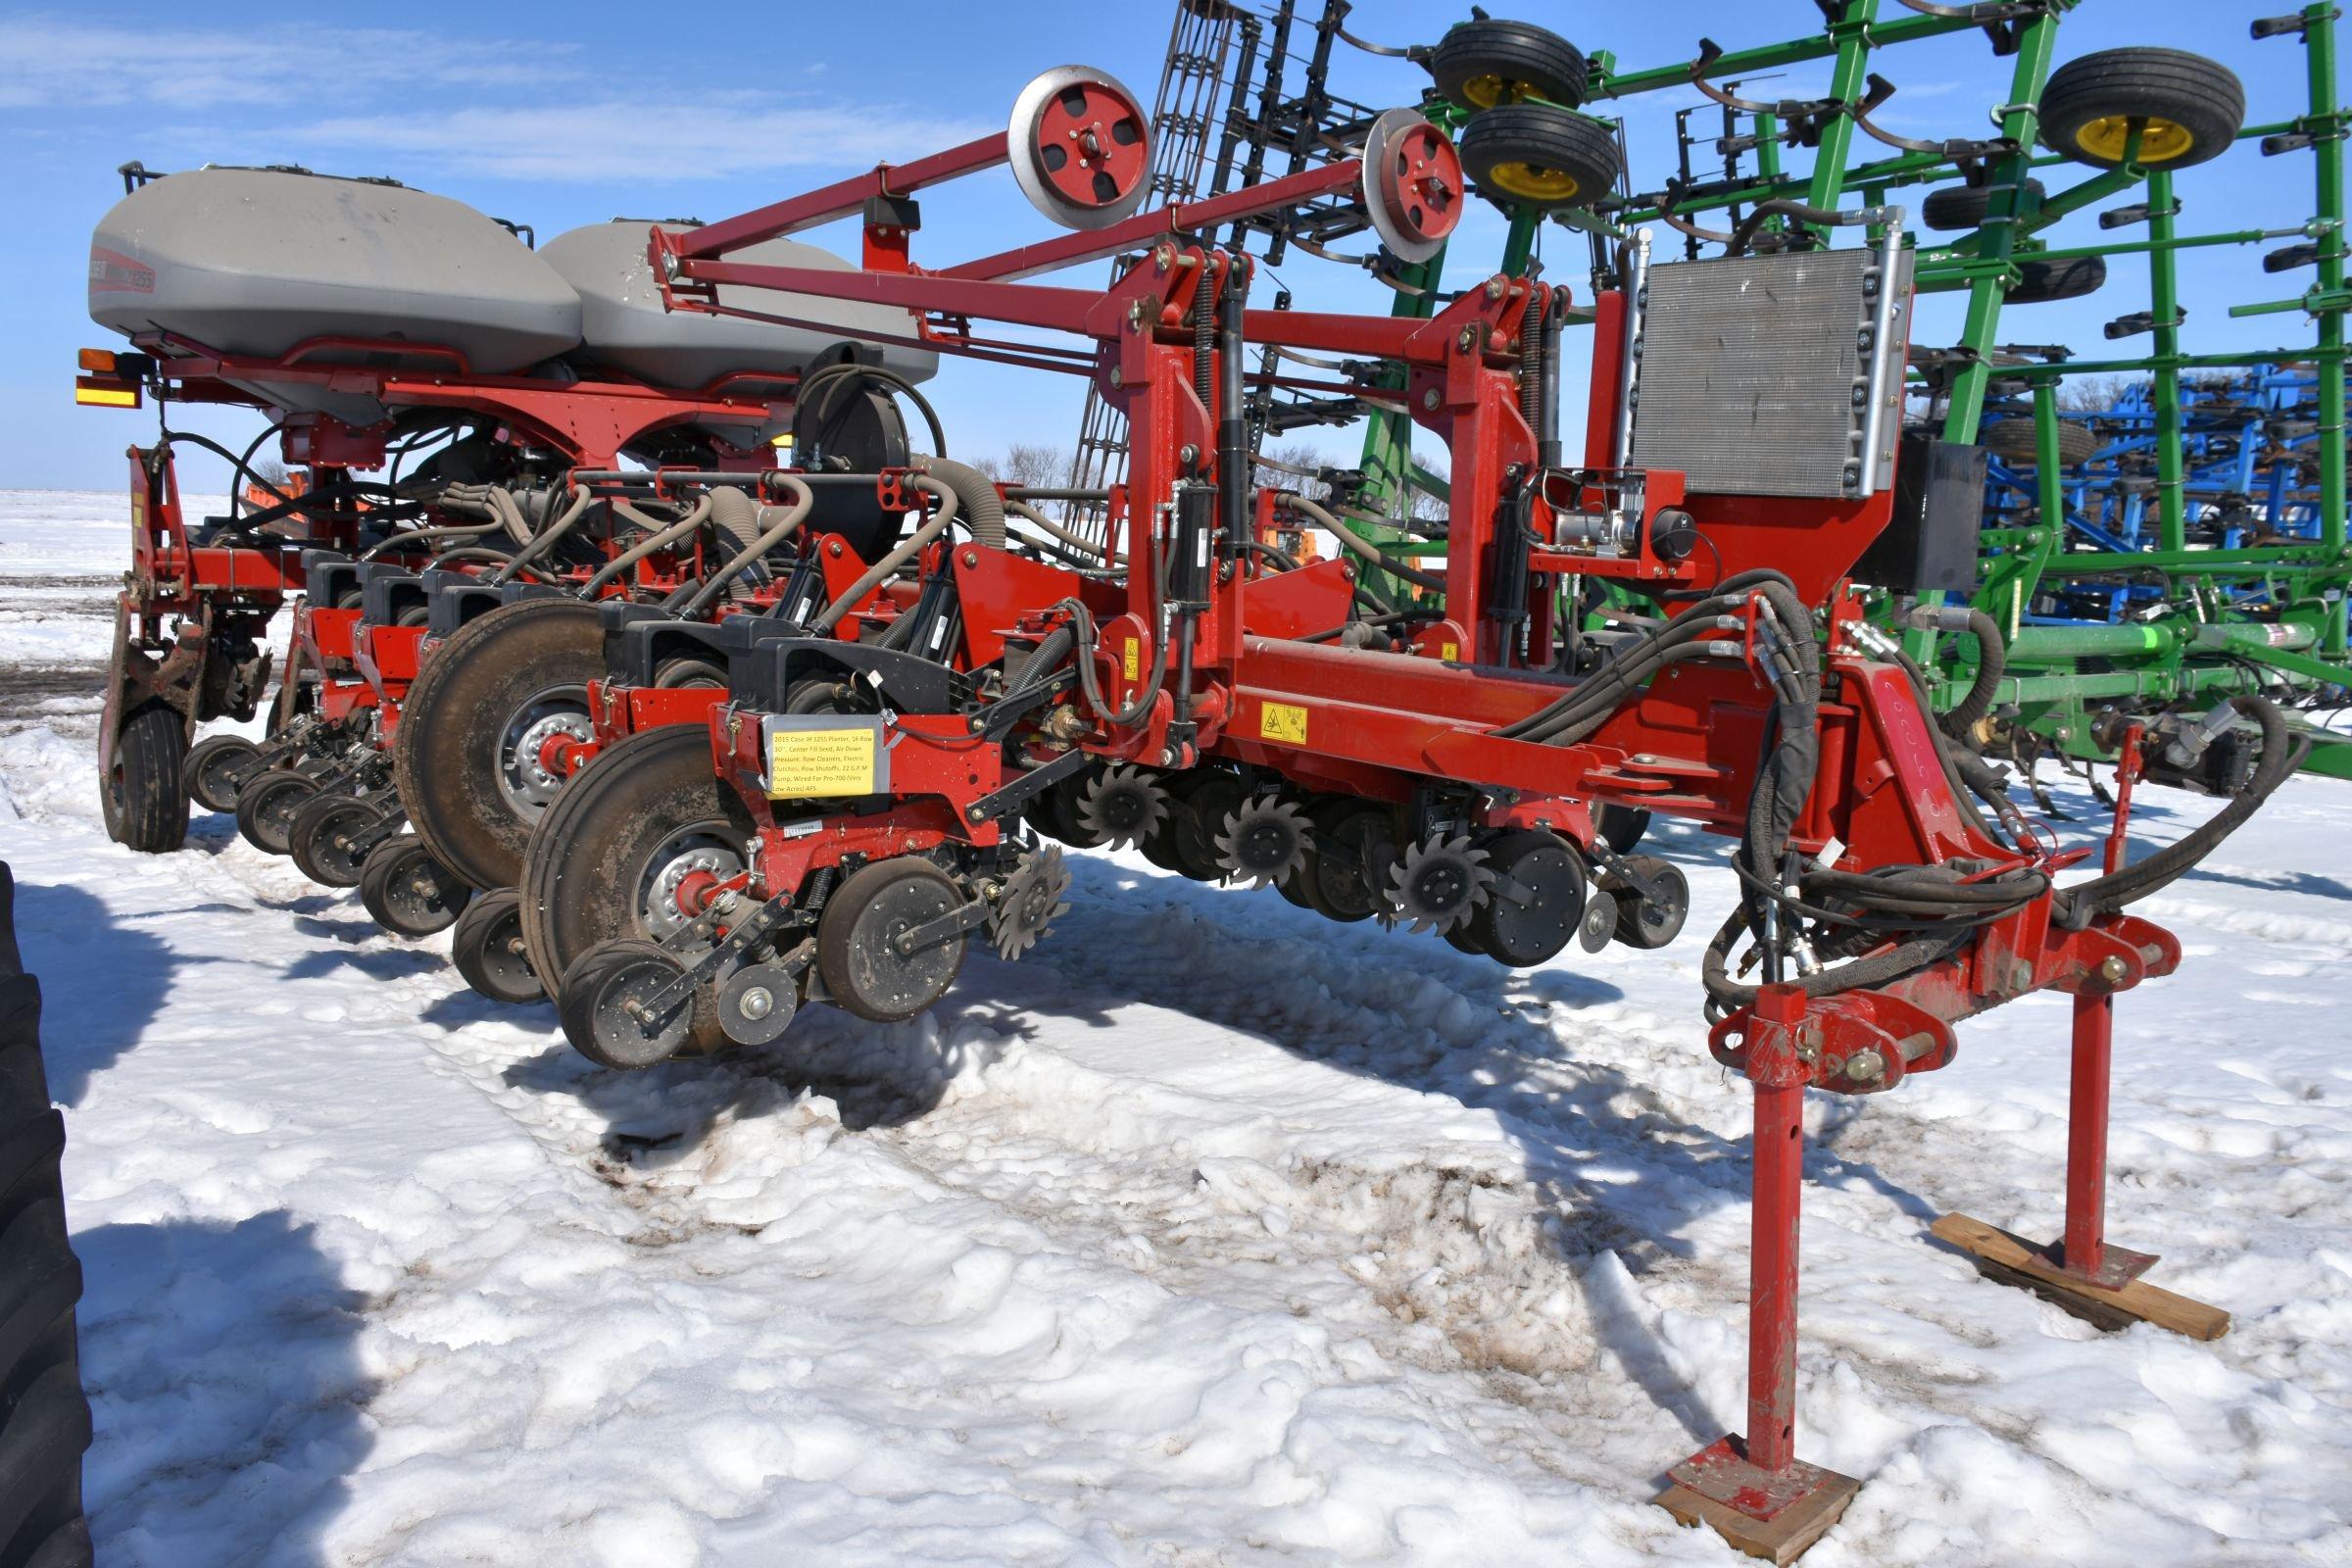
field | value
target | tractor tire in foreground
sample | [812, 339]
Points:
[44, 1418]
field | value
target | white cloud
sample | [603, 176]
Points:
[54, 62]
[616, 139]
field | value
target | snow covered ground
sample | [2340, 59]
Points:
[1211, 1232]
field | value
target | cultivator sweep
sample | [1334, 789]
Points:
[689, 743]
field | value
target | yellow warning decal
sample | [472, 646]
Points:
[1133, 663]
[802, 762]
[1450, 650]
[1281, 721]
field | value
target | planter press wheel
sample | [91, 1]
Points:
[217, 767]
[480, 724]
[605, 1006]
[409, 892]
[268, 804]
[857, 954]
[628, 848]
[1541, 155]
[1645, 921]
[1413, 184]
[2187, 109]
[1080, 146]
[142, 797]
[320, 836]
[1338, 883]
[486, 946]
[1490, 62]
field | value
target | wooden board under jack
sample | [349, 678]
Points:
[1779, 1540]
[2013, 1260]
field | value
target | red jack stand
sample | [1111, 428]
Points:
[1753, 1491]
[2083, 1273]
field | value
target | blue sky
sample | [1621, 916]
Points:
[560, 114]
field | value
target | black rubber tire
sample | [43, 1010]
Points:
[269, 803]
[1193, 841]
[217, 767]
[446, 756]
[1642, 924]
[681, 673]
[1522, 936]
[1620, 827]
[1482, 63]
[581, 878]
[44, 1417]
[1541, 157]
[1342, 892]
[582, 1005]
[2200, 103]
[142, 796]
[388, 888]
[311, 840]
[1953, 209]
[414, 616]
[2013, 442]
[2040, 282]
[877, 901]
[486, 946]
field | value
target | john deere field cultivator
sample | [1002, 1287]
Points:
[686, 731]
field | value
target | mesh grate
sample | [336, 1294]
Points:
[1749, 372]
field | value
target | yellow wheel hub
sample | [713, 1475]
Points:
[2161, 141]
[1532, 183]
[1485, 92]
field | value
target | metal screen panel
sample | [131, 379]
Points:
[1755, 371]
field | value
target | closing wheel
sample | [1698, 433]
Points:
[608, 1008]
[323, 838]
[1541, 155]
[1080, 146]
[1488, 61]
[1337, 882]
[1654, 918]
[1537, 902]
[632, 848]
[1191, 841]
[266, 807]
[2185, 108]
[858, 955]
[142, 796]
[486, 946]
[482, 727]
[409, 892]
[217, 767]
[757, 1003]
[1413, 184]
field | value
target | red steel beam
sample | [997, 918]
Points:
[842, 198]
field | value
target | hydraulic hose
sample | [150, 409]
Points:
[1038, 520]
[536, 546]
[912, 546]
[1357, 543]
[852, 370]
[658, 536]
[2079, 906]
[478, 552]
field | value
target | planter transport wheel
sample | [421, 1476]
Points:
[145, 803]
[486, 946]
[409, 892]
[323, 838]
[266, 807]
[606, 1007]
[858, 953]
[217, 767]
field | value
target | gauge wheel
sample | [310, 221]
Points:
[471, 756]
